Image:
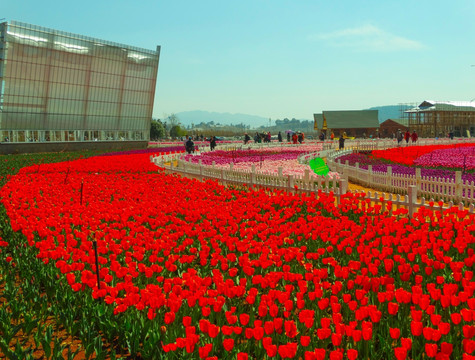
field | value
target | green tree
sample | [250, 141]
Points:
[157, 130]
[173, 120]
[177, 131]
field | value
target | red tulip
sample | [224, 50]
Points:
[400, 353]
[228, 344]
[431, 350]
[205, 350]
[242, 356]
[244, 319]
[394, 333]
[305, 340]
[416, 328]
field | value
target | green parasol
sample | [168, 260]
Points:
[318, 166]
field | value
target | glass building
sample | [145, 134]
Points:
[62, 87]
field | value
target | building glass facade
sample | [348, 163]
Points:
[57, 86]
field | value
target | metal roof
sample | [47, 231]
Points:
[402, 122]
[430, 105]
[348, 119]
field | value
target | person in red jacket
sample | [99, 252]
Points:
[407, 136]
[294, 138]
[414, 137]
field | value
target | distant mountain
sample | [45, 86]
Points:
[390, 111]
[187, 118]
[196, 117]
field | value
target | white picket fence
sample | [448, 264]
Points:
[252, 178]
[401, 191]
[455, 190]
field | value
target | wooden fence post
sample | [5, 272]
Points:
[412, 193]
[458, 186]
[343, 183]
[253, 175]
[306, 175]
[370, 174]
[389, 176]
[418, 179]
[290, 184]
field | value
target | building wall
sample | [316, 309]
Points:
[389, 128]
[36, 147]
[356, 132]
[441, 123]
[62, 87]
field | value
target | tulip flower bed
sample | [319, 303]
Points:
[267, 160]
[440, 161]
[429, 155]
[192, 269]
[459, 158]
[161, 150]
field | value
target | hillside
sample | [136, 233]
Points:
[389, 111]
[188, 118]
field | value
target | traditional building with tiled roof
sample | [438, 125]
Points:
[355, 123]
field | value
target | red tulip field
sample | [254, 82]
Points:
[111, 257]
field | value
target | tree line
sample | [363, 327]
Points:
[171, 127]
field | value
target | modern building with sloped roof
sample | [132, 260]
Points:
[67, 91]
[439, 118]
[355, 123]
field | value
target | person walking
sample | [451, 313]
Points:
[189, 145]
[288, 137]
[407, 136]
[414, 137]
[246, 138]
[341, 142]
[399, 137]
[212, 143]
[279, 137]
[294, 138]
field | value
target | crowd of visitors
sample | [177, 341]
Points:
[298, 137]
[400, 136]
[294, 137]
[190, 144]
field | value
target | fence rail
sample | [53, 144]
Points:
[456, 190]
[253, 178]
[402, 190]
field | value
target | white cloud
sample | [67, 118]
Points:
[368, 38]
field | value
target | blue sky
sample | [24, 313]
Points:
[280, 58]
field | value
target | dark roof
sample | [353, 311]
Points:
[348, 119]
[402, 122]
[429, 105]
[318, 119]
